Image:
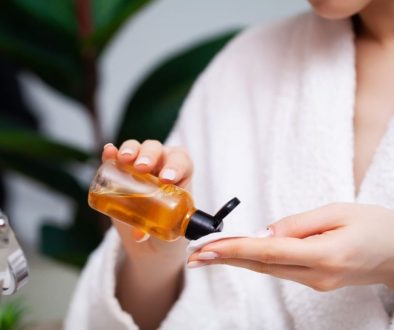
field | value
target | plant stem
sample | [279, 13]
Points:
[89, 62]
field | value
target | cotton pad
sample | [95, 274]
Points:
[198, 244]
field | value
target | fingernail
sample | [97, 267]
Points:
[143, 238]
[266, 233]
[143, 160]
[207, 255]
[196, 264]
[108, 145]
[168, 174]
[127, 151]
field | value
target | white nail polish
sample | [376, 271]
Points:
[265, 233]
[143, 238]
[207, 255]
[169, 174]
[127, 151]
[196, 264]
[108, 145]
[143, 160]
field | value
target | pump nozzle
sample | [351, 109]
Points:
[202, 224]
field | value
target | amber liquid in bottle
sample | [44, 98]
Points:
[162, 210]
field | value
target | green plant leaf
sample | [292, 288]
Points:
[34, 41]
[73, 244]
[32, 144]
[108, 17]
[43, 37]
[11, 315]
[59, 14]
[51, 174]
[153, 108]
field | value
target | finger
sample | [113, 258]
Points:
[139, 236]
[313, 222]
[109, 152]
[128, 151]
[177, 167]
[294, 273]
[316, 280]
[128, 232]
[149, 156]
[280, 250]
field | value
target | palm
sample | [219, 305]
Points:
[152, 246]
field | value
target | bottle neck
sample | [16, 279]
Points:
[202, 224]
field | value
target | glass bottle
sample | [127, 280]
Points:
[163, 210]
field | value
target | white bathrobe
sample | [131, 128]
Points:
[271, 122]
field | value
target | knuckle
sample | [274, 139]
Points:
[342, 258]
[130, 142]
[293, 223]
[152, 143]
[180, 155]
[235, 251]
[269, 255]
[289, 224]
[180, 150]
[325, 285]
[333, 263]
[332, 266]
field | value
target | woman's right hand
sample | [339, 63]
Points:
[152, 265]
[171, 165]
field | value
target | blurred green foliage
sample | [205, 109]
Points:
[61, 42]
[11, 315]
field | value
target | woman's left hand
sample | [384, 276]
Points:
[327, 248]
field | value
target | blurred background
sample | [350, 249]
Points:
[75, 74]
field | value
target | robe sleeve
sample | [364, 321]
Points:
[94, 305]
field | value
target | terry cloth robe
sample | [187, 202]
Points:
[271, 122]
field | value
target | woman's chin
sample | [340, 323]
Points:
[338, 9]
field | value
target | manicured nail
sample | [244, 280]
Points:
[168, 174]
[196, 264]
[108, 145]
[265, 233]
[207, 255]
[127, 152]
[143, 238]
[143, 160]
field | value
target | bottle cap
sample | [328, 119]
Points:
[202, 224]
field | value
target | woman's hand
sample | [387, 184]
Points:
[171, 165]
[152, 265]
[327, 248]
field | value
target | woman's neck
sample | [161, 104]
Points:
[377, 22]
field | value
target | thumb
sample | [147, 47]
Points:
[310, 223]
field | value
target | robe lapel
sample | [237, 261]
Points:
[312, 164]
[313, 161]
[378, 185]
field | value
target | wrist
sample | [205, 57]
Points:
[156, 258]
[137, 291]
[148, 275]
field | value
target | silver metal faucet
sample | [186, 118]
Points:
[14, 271]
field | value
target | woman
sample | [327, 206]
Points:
[294, 119]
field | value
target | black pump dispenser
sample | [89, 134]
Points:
[202, 224]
